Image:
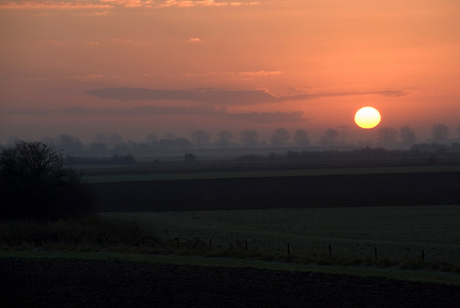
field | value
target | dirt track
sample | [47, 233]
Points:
[83, 283]
[281, 192]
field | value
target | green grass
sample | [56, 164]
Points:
[267, 173]
[397, 232]
[126, 235]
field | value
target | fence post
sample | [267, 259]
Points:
[210, 244]
[289, 249]
[375, 252]
[423, 255]
[330, 250]
[246, 242]
[177, 242]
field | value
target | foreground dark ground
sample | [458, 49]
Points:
[281, 192]
[90, 283]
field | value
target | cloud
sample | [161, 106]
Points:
[189, 3]
[110, 4]
[261, 73]
[52, 5]
[130, 3]
[86, 77]
[218, 97]
[194, 40]
[200, 110]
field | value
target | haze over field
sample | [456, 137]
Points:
[138, 67]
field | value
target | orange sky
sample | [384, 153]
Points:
[230, 65]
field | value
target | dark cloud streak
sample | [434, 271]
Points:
[218, 97]
[200, 110]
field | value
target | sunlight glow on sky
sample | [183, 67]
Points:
[138, 67]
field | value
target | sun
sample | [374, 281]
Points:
[367, 117]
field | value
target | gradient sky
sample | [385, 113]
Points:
[137, 67]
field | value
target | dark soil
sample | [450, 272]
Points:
[89, 283]
[281, 192]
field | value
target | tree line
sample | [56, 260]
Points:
[429, 152]
[113, 144]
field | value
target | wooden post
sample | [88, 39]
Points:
[289, 249]
[210, 244]
[375, 252]
[423, 255]
[143, 240]
[330, 250]
[177, 242]
[246, 242]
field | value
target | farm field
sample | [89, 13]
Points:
[262, 173]
[343, 190]
[397, 232]
[31, 282]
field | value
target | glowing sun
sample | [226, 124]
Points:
[367, 117]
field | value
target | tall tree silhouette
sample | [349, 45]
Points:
[387, 136]
[301, 137]
[440, 133]
[280, 137]
[407, 135]
[249, 138]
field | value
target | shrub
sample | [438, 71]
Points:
[34, 185]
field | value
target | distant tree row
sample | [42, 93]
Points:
[103, 145]
[424, 150]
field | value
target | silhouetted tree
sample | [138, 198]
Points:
[387, 136]
[183, 143]
[458, 131]
[151, 138]
[224, 137]
[115, 140]
[189, 157]
[249, 138]
[166, 144]
[69, 144]
[301, 138]
[200, 138]
[440, 132]
[280, 137]
[169, 136]
[100, 138]
[97, 147]
[34, 184]
[407, 135]
[330, 137]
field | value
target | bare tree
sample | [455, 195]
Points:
[169, 136]
[387, 136]
[249, 138]
[200, 138]
[100, 138]
[69, 143]
[151, 138]
[115, 140]
[34, 184]
[280, 137]
[440, 132]
[407, 135]
[330, 137]
[224, 137]
[301, 138]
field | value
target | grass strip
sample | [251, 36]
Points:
[446, 278]
[267, 173]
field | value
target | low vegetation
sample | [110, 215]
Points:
[35, 185]
[95, 233]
